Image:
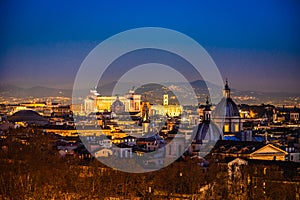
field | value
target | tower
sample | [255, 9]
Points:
[207, 111]
[226, 90]
[145, 113]
[145, 118]
[166, 99]
[131, 99]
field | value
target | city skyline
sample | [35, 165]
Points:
[149, 100]
[254, 44]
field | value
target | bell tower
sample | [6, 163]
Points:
[226, 90]
[145, 117]
[166, 99]
[207, 111]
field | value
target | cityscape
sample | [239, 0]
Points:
[263, 138]
[164, 131]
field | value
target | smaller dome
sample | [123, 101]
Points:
[117, 106]
[208, 130]
[117, 102]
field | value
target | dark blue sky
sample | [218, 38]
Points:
[255, 44]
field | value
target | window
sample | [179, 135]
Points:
[226, 128]
[236, 128]
[265, 171]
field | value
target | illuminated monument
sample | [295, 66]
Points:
[167, 109]
[131, 101]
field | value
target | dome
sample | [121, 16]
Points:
[117, 102]
[117, 106]
[226, 108]
[208, 130]
[28, 116]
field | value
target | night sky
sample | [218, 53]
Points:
[255, 44]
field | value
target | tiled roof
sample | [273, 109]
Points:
[245, 147]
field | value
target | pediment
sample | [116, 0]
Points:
[269, 149]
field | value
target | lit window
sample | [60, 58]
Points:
[236, 127]
[226, 128]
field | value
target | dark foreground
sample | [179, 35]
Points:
[31, 168]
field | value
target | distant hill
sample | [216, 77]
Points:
[154, 92]
[36, 92]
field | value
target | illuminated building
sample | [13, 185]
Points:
[130, 100]
[166, 108]
[103, 103]
[89, 105]
[248, 150]
[117, 106]
[286, 113]
[166, 100]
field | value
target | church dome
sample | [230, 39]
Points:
[226, 108]
[117, 106]
[208, 130]
[28, 116]
[116, 103]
